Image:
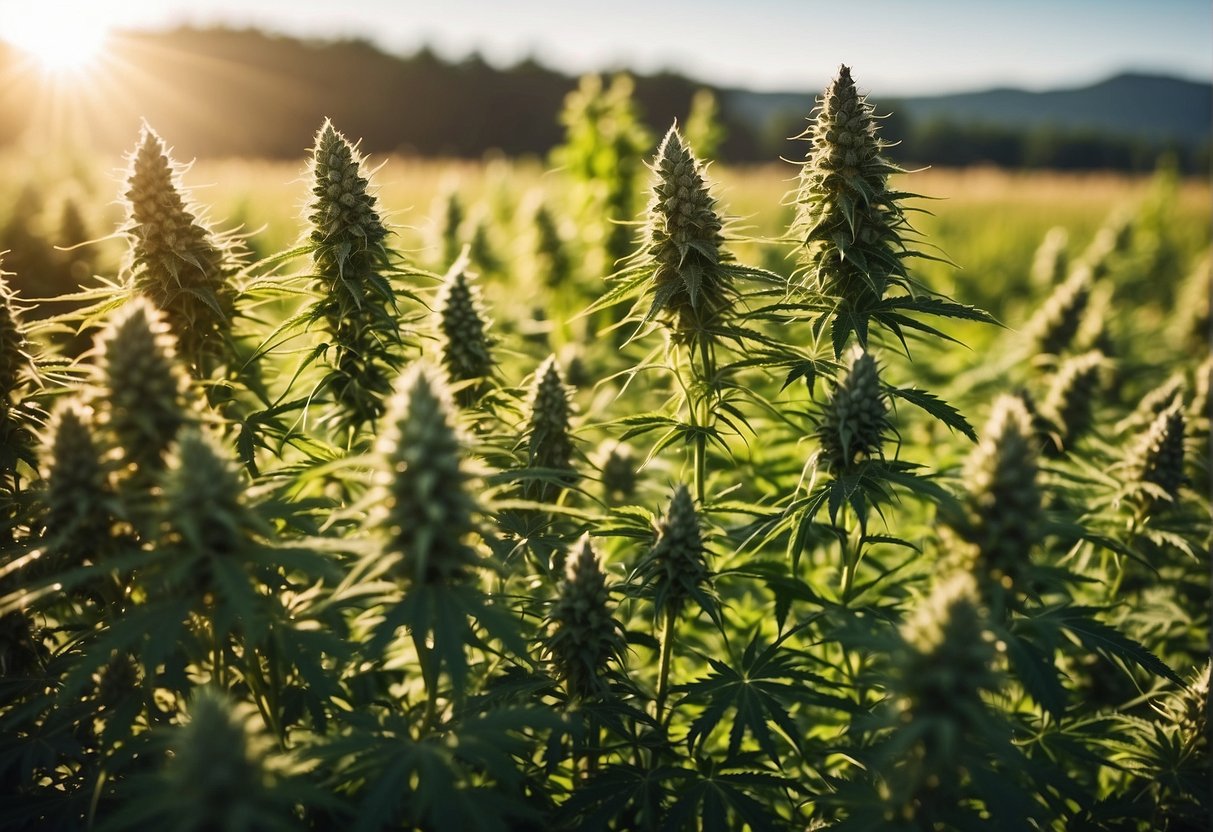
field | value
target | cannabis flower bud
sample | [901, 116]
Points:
[584, 637]
[856, 420]
[426, 501]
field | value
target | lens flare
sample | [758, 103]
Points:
[60, 42]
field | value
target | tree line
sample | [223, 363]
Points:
[225, 92]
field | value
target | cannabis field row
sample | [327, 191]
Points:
[584, 505]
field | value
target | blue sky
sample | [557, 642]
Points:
[894, 46]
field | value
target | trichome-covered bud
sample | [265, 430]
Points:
[463, 335]
[1160, 399]
[1044, 431]
[855, 423]
[78, 496]
[427, 507]
[850, 221]
[177, 262]
[345, 220]
[1070, 403]
[216, 776]
[1004, 502]
[15, 358]
[143, 389]
[950, 653]
[583, 636]
[1158, 461]
[358, 304]
[481, 251]
[1111, 240]
[683, 245]
[1053, 328]
[17, 415]
[677, 567]
[204, 506]
[1188, 711]
[1051, 260]
[941, 672]
[550, 443]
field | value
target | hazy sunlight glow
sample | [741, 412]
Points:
[59, 41]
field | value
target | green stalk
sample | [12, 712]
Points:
[703, 378]
[701, 457]
[850, 558]
[265, 699]
[667, 652]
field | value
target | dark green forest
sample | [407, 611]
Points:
[248, 93]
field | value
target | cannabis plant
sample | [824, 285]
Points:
[448, 226]
[18, 413]
[463, 335]
[217, 771]
[1055, 324]
[1072, 398]
[689, 289]
[1004, 502]
[618, 464]
[604, 143]
[676, 572]
[701, 570]
[549, 256]
[426, 503]
[178, 263]
[948, 752]
[549, 441]
[354, 268]
[1051, 260]
[206, 521]
[856, 420]
[683, 279]
[142, 395]
[853, 229]
[426, 527]
[583, 636]
[1158, 461]
[80, 503]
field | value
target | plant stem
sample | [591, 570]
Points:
[667, 652]
[264, 699]
[700, 391]
[849, 560]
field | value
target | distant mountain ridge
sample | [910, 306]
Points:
[1130, 104]
[225, 92]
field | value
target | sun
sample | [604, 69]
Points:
[60, 41]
